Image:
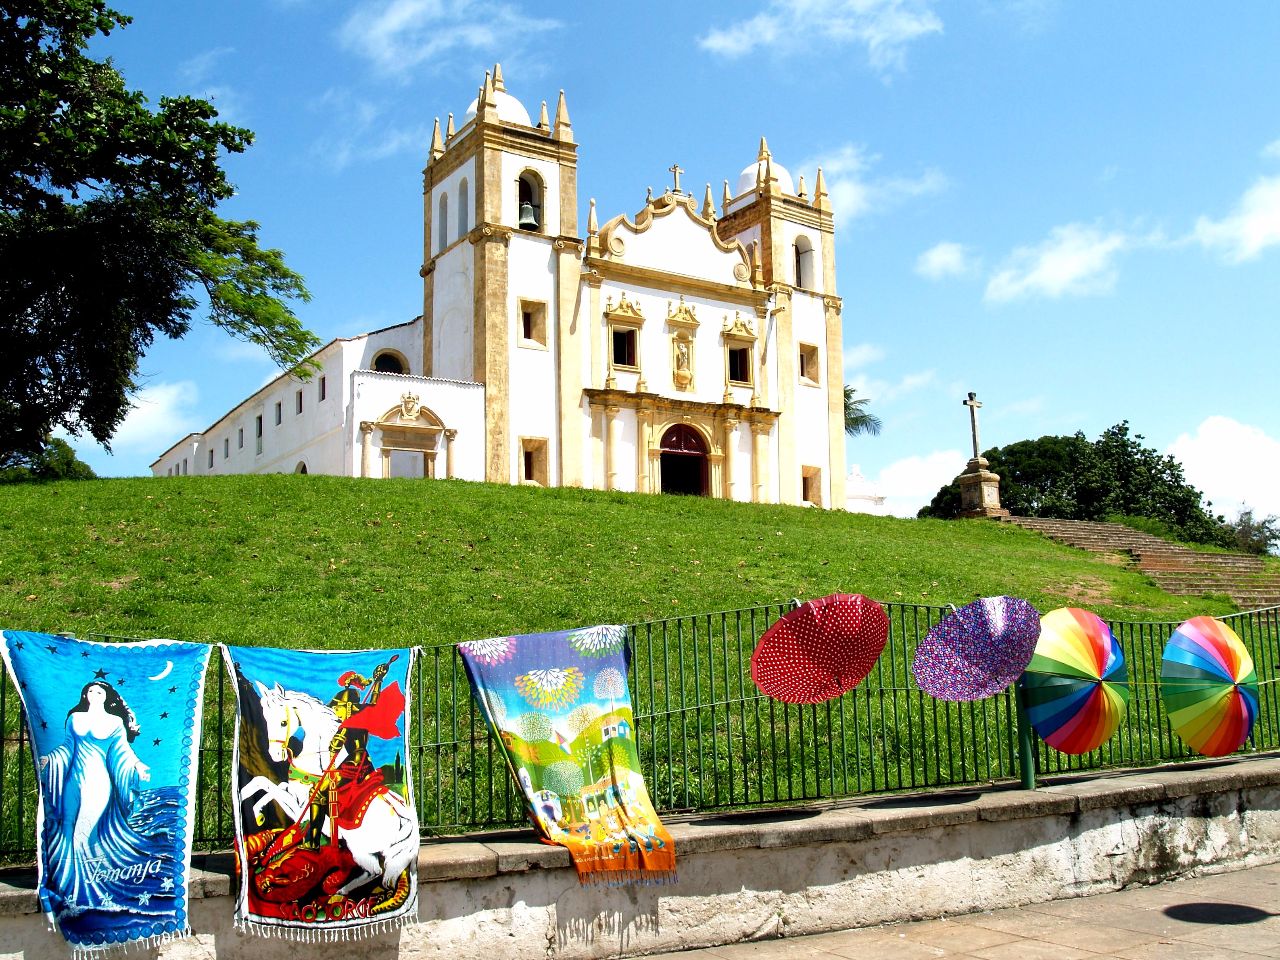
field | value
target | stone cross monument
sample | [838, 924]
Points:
[979, 487]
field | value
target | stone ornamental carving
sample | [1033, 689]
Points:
[409, 406]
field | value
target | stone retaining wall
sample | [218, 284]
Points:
[782, 873]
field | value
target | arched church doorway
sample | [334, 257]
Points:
[684, 462]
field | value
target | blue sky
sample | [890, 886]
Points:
[1072, 209]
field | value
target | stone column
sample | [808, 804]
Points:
[760, 462]
[449, 437]
[612, 428]
[730, 452]
[644, 433]
[366, 446]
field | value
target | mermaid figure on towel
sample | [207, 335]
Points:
[92, 782]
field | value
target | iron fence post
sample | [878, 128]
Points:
[1026, 749]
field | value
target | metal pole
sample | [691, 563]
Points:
[1026, 749]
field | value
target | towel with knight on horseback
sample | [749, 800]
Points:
[345, 854]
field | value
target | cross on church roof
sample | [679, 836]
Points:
[676, 170]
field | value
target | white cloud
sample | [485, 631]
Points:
[360, 131]
[198, 74]
[1233, 463]
[855, 192]
[861, 355]
[398, 35]
[910, 483]
[160, 410]
[1253, 226]
[1074, 260]
[1272, 150]
[945, 260]
[882, 391]
[884, 27]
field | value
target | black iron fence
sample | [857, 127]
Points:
[707, 738]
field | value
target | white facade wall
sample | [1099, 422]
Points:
[403, 340]
[674, 242]
[533, 382]
[452, 188]
[813, 436]
[790, 233]
[458, 405]
[453, 313]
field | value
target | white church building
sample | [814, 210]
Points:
[682, 350]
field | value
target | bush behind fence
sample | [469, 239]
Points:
[707, 738]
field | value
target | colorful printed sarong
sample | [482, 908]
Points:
[326, 834]
[115, 731]
[559, 705]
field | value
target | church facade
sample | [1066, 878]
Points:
[679, 350]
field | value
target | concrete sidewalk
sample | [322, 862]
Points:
[1229, 915]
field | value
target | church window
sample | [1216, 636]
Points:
[226, 447]
[324, 388]
[297, 401]
[809, 368]
[529, 202]
[279, 412]
[210, 458]
[240, 438]
[388, 362]
[533, 460]
[533, 323]
[184, 466]
[169, 472]
[257, 433]
[464, 207]
[442, 223]
[803, 251]
[811, 485]
[739, 359]
[625, 352]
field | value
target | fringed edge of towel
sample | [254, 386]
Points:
[95, 951]
[628, 878]
[325, 934]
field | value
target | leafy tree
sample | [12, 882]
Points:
[534, 726]
[1069, 478]
[1255, 534]
[108, 231]
[857, 419]
[57, 461]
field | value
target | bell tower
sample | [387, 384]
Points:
[795, 234]
[500, 274]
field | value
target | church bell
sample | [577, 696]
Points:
[528, 217]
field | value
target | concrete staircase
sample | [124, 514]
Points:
[1175, 569]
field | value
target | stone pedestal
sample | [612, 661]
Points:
[980, 491]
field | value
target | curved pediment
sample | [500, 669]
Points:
[669, 235]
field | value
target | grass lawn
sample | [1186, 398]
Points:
[306, 561]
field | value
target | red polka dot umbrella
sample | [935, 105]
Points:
[820, 650]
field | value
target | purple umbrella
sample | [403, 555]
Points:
[978, 650]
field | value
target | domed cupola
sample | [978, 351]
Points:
[760, 171]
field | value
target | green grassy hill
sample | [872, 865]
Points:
[326, 562]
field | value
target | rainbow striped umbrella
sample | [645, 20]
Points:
[1076, 686]
[1209, 687]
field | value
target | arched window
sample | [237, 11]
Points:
[529, 202]
[464, 207]
[442, 223]
[387, 362]
[804, 264]
[301, 468]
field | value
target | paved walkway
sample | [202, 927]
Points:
[1234, 915]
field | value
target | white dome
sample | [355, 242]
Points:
[747, 179]
[510, 110]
